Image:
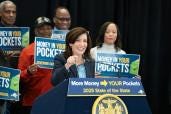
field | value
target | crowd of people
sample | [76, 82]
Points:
[78, 60]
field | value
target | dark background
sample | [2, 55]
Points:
[144, 25]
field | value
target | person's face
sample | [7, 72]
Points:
[44, 31]
[8, 15]
[110, 34]
[80, 45]
[62, 19]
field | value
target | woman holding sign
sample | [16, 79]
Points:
[76, 61]
[108, 40]
[35, 80]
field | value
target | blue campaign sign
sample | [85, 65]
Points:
[14, 38]
[100, 86]
[117, 65]
[59, 34]
[45, 51]
[9, 83]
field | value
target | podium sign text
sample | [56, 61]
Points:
[100, 86]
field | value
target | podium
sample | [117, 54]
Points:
[77, 96]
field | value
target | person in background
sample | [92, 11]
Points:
[108, 40]
[5, 63]
[8, 19]
[62, 18]
[7, 14]
[35, 80]
[76, 61]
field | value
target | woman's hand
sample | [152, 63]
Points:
[71, 61]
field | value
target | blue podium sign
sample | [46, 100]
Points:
[9, 83]
[71, 97]
[100, 86]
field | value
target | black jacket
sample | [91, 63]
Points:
[60, 73]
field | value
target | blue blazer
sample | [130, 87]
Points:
[60, 73]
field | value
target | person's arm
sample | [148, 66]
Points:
[60, 72]
[23, 64]
[25, 60]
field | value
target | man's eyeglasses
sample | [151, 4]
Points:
[63, 18]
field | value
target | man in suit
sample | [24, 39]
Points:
[62, 18]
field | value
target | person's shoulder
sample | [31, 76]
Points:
[120, 51]
[123, 52]
[93, 52]
[2, 25]
[93, 49]
[30, 47]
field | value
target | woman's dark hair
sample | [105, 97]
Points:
[100, 37]
[72, 36]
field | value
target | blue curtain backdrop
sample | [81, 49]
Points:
[145, 28]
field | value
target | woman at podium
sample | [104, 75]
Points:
[76, 61]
